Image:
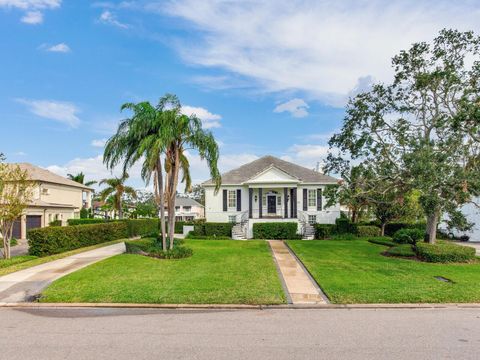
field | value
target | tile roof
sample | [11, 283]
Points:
[38, 174]
[247, 171]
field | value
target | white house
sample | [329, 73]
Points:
[187, 209]
[270, 190]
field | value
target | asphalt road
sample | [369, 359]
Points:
[239, 334]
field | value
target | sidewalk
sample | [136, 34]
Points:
[24, 285]
[300, 286]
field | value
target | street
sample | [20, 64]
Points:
[239, 334]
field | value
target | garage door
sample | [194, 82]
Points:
[34, 221]
[17, 229]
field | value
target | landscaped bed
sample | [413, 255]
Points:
[219, 272]
[355, 271]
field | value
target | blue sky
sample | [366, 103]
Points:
[266, 77]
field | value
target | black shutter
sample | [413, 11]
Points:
[250, 203]
[319, 199]
[225, 205]
[294, 203]
[239, 200]
[285, 201]
[305, 204]
[260, 201]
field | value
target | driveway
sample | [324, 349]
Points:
[26, 284]
[241, 334]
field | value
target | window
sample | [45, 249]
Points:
[312, 197]
[264, 200]
[232, 198]
[232, 218]
[312, 219]
[187, 209]
[177, 208]
[279, 200]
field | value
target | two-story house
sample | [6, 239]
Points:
[54, 198]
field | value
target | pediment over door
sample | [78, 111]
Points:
[272, 175]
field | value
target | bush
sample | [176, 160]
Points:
[404, 250]
[141, 226]
[191, 235]
[443, 252]
[345, 226]
[367, 230]
[55, 240]
[393, 227]
[83, 213]
[408, 236]
[218, 229]
[382, 240]
[275, 230]
[55, 223]
[324, 231]
[86, 221]
[150, 247]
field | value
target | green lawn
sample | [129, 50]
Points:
[219, 272]
[353, 271]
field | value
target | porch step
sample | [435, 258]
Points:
[237, 233]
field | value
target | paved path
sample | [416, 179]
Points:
[20, 249]
[302, 289]
[26, 284]
[120, 334]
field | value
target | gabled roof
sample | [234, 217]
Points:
[36, 173]
[186, 201]
[245, 172]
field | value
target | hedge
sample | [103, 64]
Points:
[87, 221]
[442, 252]
[367, 230]
[275, 230]
[393, 227]
[324, 231]
[55, 240]
[408, 236]
[148, 247]
[212, 229]
[345, 226]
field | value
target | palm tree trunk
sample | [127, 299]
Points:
[161, 201]
[120, 210]
[173, 181]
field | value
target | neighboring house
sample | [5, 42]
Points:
[54, 198]
[270, 190]
[187, 209]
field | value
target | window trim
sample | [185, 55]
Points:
[234, 199]
[314, 219]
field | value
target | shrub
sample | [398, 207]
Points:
[275, 230]
[382, 240]
[86, 221]
[191, 235]
[393, 227]
[218, 229]
[150, 247]
[55, 223]
[408, 236]
[367, 230]
[404, 250]
[141, 226]
[324, 231]
[347, 236]
[83, 213]
[443, 252]
[345, 226]
[55, 240]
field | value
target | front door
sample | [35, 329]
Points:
[271, 204]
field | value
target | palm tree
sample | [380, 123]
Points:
[142, 136]
[80, 178]
[156, 133]
[116, 187]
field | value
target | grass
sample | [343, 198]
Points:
[18, 263]
[353, 271]
[219, 272]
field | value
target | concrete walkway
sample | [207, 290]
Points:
[25, 285]
[301, 288]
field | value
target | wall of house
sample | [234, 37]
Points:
[214, 204]
[60, 194]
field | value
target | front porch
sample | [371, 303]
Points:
[272, 202]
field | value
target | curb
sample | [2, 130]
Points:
[239, 306]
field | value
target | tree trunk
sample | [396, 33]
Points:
[382, 229]
[161, 205]
[354, 215]
[120, 209]
[173, 181]
[432, 223]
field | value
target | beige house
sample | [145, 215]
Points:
[54, 198]
[187, 209]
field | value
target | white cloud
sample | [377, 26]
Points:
[319, 47]
[98, 142]
[63, 112]
[32, 18]
[33, 8]
[107, 17]
[61, 48]
[296, 107]
[209, 120]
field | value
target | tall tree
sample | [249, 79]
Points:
[117, 188]
[80, 178]
[198, 193]
[424, 125]
[16, 191]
